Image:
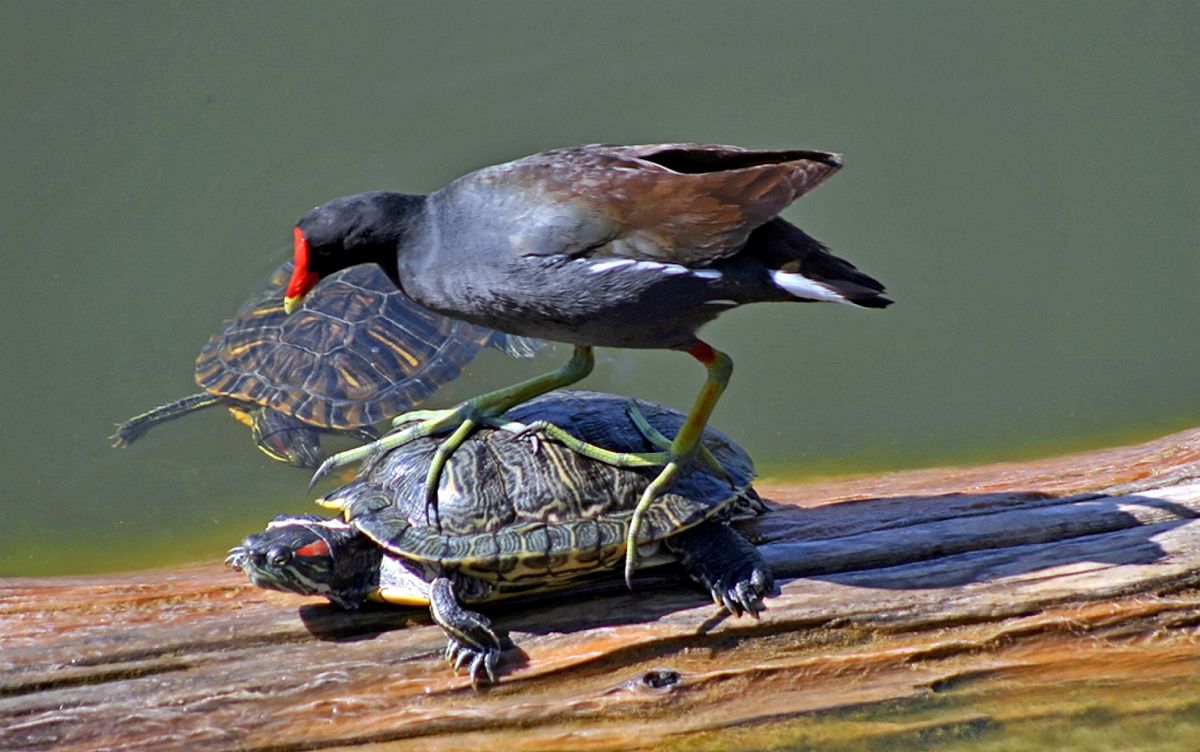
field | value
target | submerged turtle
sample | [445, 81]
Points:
[517, 513]
[356, 353]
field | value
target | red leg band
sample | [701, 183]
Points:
[702, 352]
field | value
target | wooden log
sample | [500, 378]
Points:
[966, 585]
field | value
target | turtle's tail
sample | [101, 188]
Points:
[132, 429]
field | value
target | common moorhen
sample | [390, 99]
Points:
[613, 246]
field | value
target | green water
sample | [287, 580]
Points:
[1022, 175]
[1125, 716]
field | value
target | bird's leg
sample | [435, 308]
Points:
[656, 438]
[544, 429]
[720, 367]
[461, 420]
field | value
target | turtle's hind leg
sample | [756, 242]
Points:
[134, 428]
[472, 641]
[725, 563]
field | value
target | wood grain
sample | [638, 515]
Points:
[1026, 576]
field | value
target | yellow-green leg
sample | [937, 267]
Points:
[544, 429]
[461, 420]
[720, 367]
[653, 435]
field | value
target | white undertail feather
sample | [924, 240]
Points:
[803, 287]
[599, 267]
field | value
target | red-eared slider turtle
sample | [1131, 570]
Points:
[517, 515]
[357, 352]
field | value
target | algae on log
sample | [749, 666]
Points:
[1031, 575]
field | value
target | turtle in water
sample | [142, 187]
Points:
[519, 513]
[356, 353]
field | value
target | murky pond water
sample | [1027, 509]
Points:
[1022, 176]
[1139, 716]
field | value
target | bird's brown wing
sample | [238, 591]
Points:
[689, 204]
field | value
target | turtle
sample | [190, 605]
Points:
[520, 513]
[357, 353]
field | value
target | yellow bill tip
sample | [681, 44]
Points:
[291, 303]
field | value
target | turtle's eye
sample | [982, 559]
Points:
[279, 556]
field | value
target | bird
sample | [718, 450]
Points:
[593, 246]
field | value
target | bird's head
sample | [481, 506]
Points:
[347, 231]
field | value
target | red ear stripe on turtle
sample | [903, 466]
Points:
[316, 548]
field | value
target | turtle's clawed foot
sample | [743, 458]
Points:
[473, 643]
[477, 660]
[743, 591]
[726, 565]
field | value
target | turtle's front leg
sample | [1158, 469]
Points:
[472, 641]
[725, 563]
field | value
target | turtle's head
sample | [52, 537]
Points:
[347, 231]
[311, 555]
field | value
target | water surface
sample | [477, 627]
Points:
[1023, 176]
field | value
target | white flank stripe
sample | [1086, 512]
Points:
[707, 274]
[602, 266]
[661, 267]
[803, 287]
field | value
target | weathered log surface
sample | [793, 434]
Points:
[1028, 575]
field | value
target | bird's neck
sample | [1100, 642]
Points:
[390, 224]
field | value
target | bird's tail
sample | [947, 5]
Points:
[803, 267]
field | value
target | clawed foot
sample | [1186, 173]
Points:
[473, 644]
[725, 564]
[742, 589]
[536, 432]
[479, 660]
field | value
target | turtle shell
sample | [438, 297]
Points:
[523, 514]
[358, 351]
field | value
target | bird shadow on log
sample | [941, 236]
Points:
[894, 543]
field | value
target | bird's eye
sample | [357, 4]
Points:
[279, 556]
